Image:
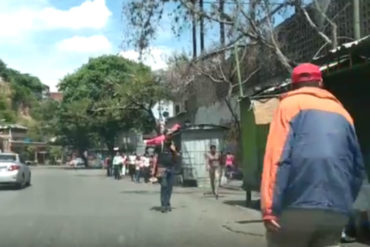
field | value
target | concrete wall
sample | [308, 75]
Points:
[217, 113]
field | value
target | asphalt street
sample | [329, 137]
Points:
[85, 208]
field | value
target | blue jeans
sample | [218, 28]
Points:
[138, 175]
[167, 182]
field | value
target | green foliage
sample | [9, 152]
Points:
[26, 91]
[55, 153]
[107, 95]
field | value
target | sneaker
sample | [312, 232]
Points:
[163, 209]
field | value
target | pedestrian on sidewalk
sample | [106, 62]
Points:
[313, 167]
[131, 166]
[117, 163]
[108, 165]
[123, 166]
[214, 168]
[229, 166]
[146, 167]
[138, 168]
[167, 161]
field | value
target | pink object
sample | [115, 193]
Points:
[175, 127]
[229, 160]
[159, 139]
[156, 140]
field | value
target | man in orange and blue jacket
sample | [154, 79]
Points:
[313, 167]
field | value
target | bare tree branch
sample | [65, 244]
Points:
[313, 25]
[332, 23]
[280, 55]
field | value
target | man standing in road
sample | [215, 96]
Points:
[146, 167]
[214, 169]
[313, 167]
[131, 165]
[167, 161]
[117, 162]
[108, 165]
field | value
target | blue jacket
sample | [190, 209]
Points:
[313, 159]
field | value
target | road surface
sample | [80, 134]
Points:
[85, 208]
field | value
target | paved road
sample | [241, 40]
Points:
[85, 208]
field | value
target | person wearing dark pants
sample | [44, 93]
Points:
[131, 166]
[117, 162]
[138, 167]
[167, 182]
[132, 170]
[146, 174]
[167, 160]
[117, 174]
[146, 167]
[108, 165]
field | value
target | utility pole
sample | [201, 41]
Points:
[194, 32]
[237, 62]
[221, 9]
[201, 27]
[356, 19]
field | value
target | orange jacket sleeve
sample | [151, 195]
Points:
[277, 144]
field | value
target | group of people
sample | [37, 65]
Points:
[136, 166]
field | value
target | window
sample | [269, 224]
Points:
[7, 157]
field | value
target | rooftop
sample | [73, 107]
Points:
[12, 126]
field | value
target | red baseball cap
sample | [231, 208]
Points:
[306, 72]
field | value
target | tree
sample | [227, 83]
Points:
[20, 94]
[107, 95]
[246, 23]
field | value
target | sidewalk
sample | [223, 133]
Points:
[237, 217]
[231, 211]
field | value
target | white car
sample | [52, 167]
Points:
[77, 163]
[13, 171]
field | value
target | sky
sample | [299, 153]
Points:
[51, 38]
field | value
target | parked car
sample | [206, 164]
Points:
[13, 171]
[77, 162]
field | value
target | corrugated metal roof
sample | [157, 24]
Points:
[13, 126]
[203, 127]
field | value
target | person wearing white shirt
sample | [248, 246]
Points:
[146, 167]
[131, 166]
[117, 162]
[139, 166]
[123, 168]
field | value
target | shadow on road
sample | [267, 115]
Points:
[139, 192]
[159, 209]
[11, 187]
[249, 221]
[156, 208]
[8, 187]
[234, 188]
[152, 192]
[90, 175]
[255, 204]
